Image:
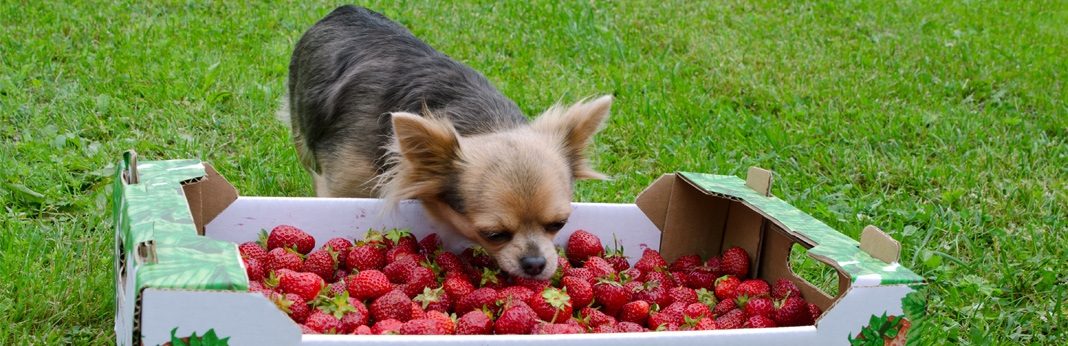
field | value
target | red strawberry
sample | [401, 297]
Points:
[552, 305]
[320, 263]
[759, 321]
[653, 293]
[293, 305]
[307, 285]
[814, 311]
[753, 288]
[582, 245]
[664, 279]
[286, 236]
[595, 317]
[363, 330]
[696, 311]
[456, 284]
[255, 269]
[581, 273]
[727, 287]
[793, 311]
[735, 261]
[445, 322]
[430, 244]
[399, 272]
[339, 246]
[636, 311]
[533, 284]
[365, 257]
[253, 250]
[605, 328]
[611, 295]
[733, 319]
[580, 290]
[399, 238]
[598, 267]
[706, 323]
[368, 284]
[474, 323]
[306, 330]
[482, 297]
[449, 262]
[280, 258]
[629, 327]
[715, 265]
[491, 278]
[650, 261]
[785, 288]
[514, 293]
[387, 327]
[417, 311]
[697, 279]
[615, 257]
[686, 263]
[434, 299]
[337, 288]
[353, 320]
[517, 319]
[760, 306]
[322, 322]
[632, 274]
[557, 328]
[395, 254]
[393, 305]
[422, 326]
[478, 257]
[255, 286]
[682, 294]
[723, 307]
[419, 278]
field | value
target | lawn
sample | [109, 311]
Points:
[944, 124]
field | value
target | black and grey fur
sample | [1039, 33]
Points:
[355, 67]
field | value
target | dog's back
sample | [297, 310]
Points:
[354, 67]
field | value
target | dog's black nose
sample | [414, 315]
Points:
[532, 265]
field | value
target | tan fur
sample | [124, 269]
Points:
[517, 181]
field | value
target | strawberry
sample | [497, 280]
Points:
[322, 322]
[446, 323]
[478, 256]
[430, 244]
[417, 311]
[533, 284]
[598, 267]
[422, 326]
[482, 297]
[664, 279]
[474, 323]
[670, 315]
[714, 264]
[400, 238]
[320, 263]
[723, 307]
[557, 328]
[686, 263]
[253, 250]
[337, 288]
[814, 311]
[605, 328]
[784, 288]
[434, 299]
[286, 236]
[792, 311]
[307, 285]
[611, 295]
[735, 261]
[552, 305]
[696, 311]
[517, 319]
[255, 286]
[580, 273]
[449, 262]
[517, 293]
[636, 311]
[650, 261]
[733, 319]
[682, 294]
[632, 274]
[491, 278]
[759, 306]
[629, 327]
[699, 278]
[340, 248]
[594, 317]
[457, 285]
[368, 284]
[706, 323]
[399, 272]
[615, 257]
[419, 278]
[293, 305]
[395, 254]
[727, 287]
[365, 257]
[305, 330]
[753, 288]
[363, 330]
[653, 293]
[759, 321]
[255, 269]
[387, 327]
[393, 305]
[580, 290]
[582, 245]
[280, 258]
[351, 321]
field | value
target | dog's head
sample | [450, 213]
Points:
[509, 191]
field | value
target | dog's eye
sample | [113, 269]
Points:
[497, 236]
[555, 226]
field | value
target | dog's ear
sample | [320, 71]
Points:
[429, 145]
[575, 127]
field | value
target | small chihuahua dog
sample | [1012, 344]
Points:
[375, 111]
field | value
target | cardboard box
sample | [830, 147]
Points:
[178, 271]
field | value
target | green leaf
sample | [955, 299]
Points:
[25, 193]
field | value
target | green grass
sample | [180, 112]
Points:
[943, 123]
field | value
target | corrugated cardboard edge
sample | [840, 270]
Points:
[879, 244]
[208, 196]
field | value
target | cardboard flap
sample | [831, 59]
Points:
[879, 244]
[653, 201]
[208, 196]
[759, 180]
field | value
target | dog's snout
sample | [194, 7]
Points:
[532, 265]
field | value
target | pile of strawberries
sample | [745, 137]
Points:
[393, 283]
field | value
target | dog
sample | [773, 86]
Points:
[375, 112]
